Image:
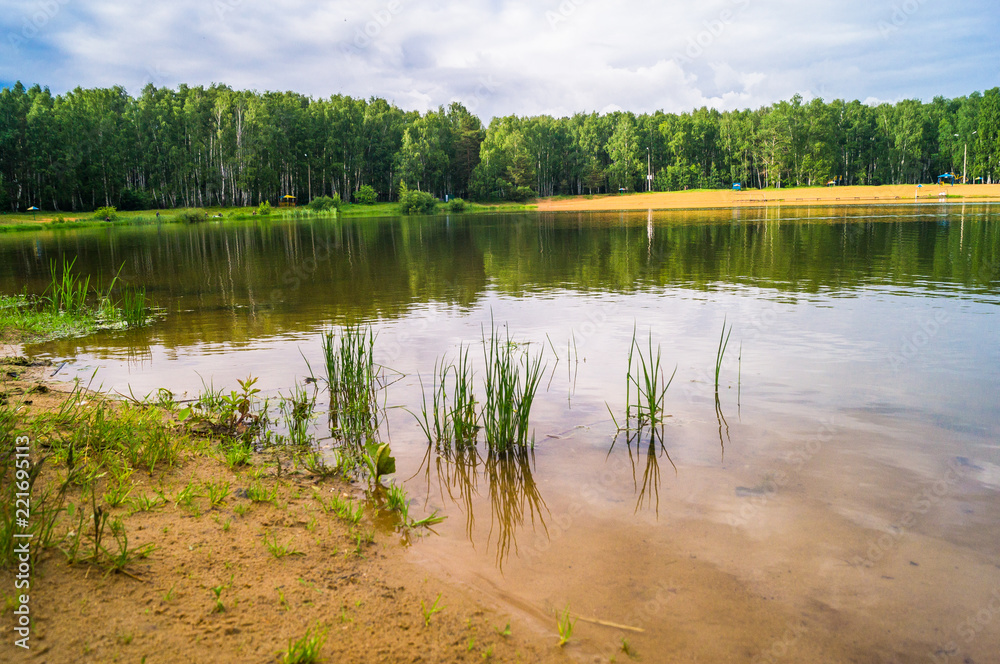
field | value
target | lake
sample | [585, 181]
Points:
[838, 498]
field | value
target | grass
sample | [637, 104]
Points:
[217, 493]
[280, 551]
[451, 424]
[306, 649]
[397, 501]
[721, 352]
[646, 387]
[430, 611]
[511, 381]
[353, 380]
[565, 624]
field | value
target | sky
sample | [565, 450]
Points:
[503, 57]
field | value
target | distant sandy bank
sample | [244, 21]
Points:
[722, 198]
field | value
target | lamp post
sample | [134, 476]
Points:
[965, 158]
[309, 177]
[649, 172]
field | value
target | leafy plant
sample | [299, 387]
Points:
[379, 461]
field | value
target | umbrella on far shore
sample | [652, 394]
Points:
[32, 210]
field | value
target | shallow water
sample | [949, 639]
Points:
[840, 501]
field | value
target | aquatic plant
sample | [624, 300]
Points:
[645, 387]
[67, 291]
[353, 380]
[511, 380]
[134, 309]
[721, 352]
[455, 423]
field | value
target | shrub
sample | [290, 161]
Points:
[264, 209]
[416, 202]
[109, 213]
[191, 216]
[521, 194]
[324, 203]
[365, 195]
[456, 205]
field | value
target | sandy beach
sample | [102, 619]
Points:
[720, 198]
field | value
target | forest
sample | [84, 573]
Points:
[215, 146]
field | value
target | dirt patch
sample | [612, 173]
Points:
[240, 580]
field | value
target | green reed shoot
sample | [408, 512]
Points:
[720, 353]
[297, 411]
[353, 379]
[456, 422]
[134, 308]
[511, 382]
[645, 385]
[67, 291]
[565, 624]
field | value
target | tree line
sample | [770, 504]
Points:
[198, 146]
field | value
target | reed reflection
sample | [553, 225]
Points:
[508, 479]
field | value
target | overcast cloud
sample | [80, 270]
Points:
[501, 57]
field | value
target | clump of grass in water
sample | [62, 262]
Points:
[645, 387]
[353, 381]
[511, 382]
[67, 291]
[454, 424]
[134, 308]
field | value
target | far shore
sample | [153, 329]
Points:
[727, 198]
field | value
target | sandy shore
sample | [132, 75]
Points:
[720, 198]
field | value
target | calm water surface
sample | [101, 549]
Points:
[840, 502]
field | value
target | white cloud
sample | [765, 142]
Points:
[501, 57]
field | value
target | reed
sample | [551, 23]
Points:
[67, 291]
[133, 305]
[721, 352]
[455, 423]
[646, 386]
[511, 382]
[353, 380]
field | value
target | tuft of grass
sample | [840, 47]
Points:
[511, 381]
[217, 493]
[279, 551]
[306, 649]
[133, 305]
[565, 624]
[397, 501]
[645, 386]
[259, 494]
[430, 611]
